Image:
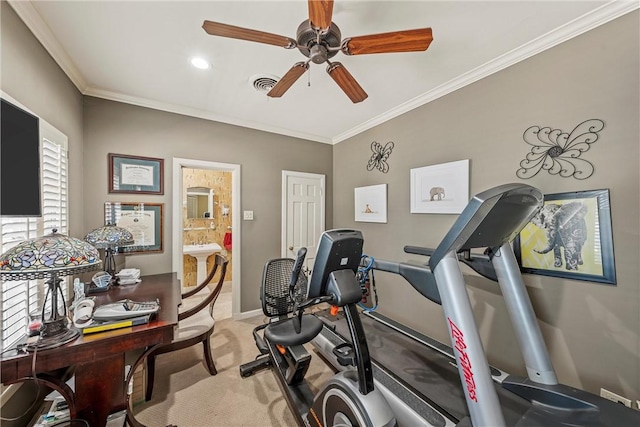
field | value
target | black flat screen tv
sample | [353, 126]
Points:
[19, 162]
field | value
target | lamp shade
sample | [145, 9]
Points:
[48, 256]
[109, 236]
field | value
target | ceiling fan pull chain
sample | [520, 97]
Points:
[309, 77]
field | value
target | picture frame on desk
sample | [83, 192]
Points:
[135, 174]
[143, 220]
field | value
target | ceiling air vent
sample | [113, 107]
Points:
[263, 83]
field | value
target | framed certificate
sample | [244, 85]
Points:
[143, 220]
[135, 175]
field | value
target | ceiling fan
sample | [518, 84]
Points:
[319, 39]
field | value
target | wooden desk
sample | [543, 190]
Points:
[99, 359]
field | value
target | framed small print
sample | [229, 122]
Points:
[143, 220]
[440, 189]
[570, 237]
[135, 175]
[371, 203]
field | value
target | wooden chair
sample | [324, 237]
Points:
[195, 324]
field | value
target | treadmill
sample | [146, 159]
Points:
[428, 383]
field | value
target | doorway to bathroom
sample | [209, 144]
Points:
[206, 200]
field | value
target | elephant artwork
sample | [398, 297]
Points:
[566, 228]
[436, 193]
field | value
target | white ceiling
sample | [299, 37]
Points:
[138, 53]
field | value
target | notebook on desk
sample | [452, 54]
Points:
[108, 325]
[125, 309]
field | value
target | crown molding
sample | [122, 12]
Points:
[586, 22]
[201, 114]
[41, 31]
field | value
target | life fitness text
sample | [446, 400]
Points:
[458, 337]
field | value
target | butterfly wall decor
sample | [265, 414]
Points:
[380, 156]
[559, 152]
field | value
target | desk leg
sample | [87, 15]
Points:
[100, 389]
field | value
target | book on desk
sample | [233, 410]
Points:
[109, 325]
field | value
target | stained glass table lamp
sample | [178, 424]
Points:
[108, 238]
[50, 257]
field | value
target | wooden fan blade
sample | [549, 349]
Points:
[397, 41]
[288, 79]
[320, 12]
[347, 83]
[233, 32]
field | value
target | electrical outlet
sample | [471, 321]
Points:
[609, 395]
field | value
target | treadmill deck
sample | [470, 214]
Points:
[424, 368]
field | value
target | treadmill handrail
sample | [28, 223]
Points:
[419, 276]
[479, 263]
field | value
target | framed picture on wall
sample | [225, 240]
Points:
[371, 203]
[143, 220]
[135, 175]
[571, 237]
[440, 189]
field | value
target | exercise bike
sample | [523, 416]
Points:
[349, 397]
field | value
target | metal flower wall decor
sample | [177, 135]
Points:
[559, 152]
[380, 156]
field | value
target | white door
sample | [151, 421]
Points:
[303, 204]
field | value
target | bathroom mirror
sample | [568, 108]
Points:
[199, 202]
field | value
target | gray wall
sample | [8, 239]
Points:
[32, 77]
[591, 329]
[126, 129]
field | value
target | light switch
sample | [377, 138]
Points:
[248, 215]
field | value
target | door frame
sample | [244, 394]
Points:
[285, 175]
[178, 164]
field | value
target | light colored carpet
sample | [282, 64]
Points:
[222, 307]
[187, 396]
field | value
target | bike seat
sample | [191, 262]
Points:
[284, 332]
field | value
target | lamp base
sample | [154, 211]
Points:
[47, 341]
[54, 327]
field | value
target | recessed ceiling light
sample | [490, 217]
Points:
[200, 63]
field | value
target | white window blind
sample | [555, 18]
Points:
[19, 298]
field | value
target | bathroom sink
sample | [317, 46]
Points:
[200, 253]
[199, 250]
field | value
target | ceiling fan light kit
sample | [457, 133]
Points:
[319, 39]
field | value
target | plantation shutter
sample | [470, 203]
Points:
[19, 298]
